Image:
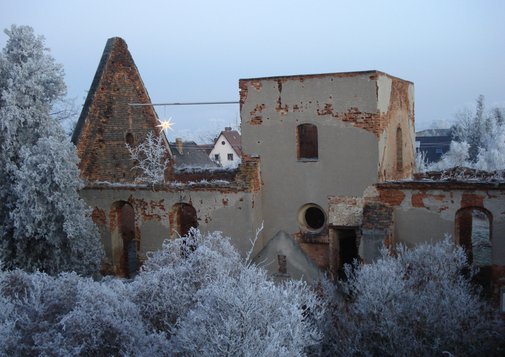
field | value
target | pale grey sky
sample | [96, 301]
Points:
[197, 50]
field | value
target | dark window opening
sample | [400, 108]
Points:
[216, 157]
[314, 218]
[129, 261]
[223, 142]
[129, 139]
[307, 141]
[230, 157]
[348, 249]
[281, 260]
[473, 233]
[399, 149]
[184, 219]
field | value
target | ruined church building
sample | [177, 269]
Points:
[327, 168]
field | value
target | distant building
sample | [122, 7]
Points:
[227, 150]
[434, 143]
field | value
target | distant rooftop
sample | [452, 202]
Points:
[188, 154]
[434, 132]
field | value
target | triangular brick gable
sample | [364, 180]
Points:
[107, 120]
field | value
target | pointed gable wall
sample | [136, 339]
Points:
[107, 120]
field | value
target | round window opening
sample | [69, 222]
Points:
[222, 142]
[312, 217]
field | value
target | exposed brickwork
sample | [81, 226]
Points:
[345, 211]
[249, 173]
[98, 216]
[257, 120]
[377, 216]
[318, 253]
[208, 175]
[369, 121]
[391, 197]
[107, 117]
[472, 200]
[151, 210]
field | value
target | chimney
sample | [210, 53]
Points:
[228, 128]
[178, 144]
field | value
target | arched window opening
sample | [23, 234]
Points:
[399, 149]
[183, 219]
[124, 244]
[307, 142]
[129, 139]
[473, 233]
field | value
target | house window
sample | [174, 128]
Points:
[230, 157]
[216, 157]
[307, 142]
[223, 142]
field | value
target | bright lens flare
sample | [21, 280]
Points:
[166, 124]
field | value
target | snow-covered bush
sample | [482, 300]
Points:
[210, 300]
[104, 321]
[249, 315]
[417, 302]
[44, 224]
[166, 287]
[196, 296]
[69, 315]
[151, 158]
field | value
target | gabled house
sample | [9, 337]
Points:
[227, 150]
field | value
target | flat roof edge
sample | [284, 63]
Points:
[319, 75]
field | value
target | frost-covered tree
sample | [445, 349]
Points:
[457, 156]
[45, 225]
[491, 156]
[415, 303]
[151, 158]
[478, 140]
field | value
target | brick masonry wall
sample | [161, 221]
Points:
[107, 117]
[440, 203]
